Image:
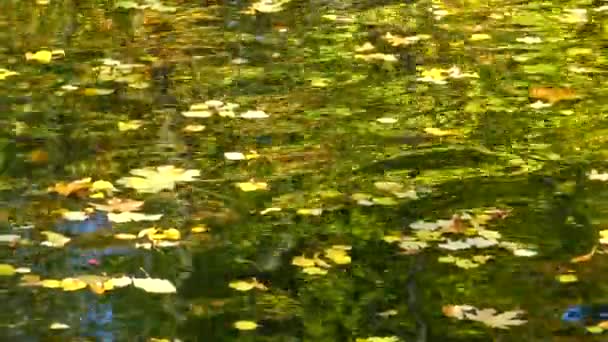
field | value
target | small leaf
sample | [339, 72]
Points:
[58, 326]
[245, 325]
[73, 284]
[252, 186]
[567, 278]
[55, 239]
[97, 91]
[153, 285]
[7, 270]
[234, 156]
[254, 114]
[42, 56]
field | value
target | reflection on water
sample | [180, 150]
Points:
[445, 147]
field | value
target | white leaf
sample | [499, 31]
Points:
[154, 285]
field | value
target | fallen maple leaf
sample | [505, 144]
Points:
[490, 318]
[75, 187]
[119, 204]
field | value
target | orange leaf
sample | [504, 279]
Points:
[584, 257]
[551, 94]
[66, 189]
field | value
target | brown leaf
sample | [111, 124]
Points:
[551, 94]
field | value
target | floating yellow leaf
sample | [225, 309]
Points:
[194, 128]
[42, 56]
[567, 278]
[309, 212]
[439, 132]
[197, 114]
[245, 325]
[51, 283]
[4, 73]
[72, 284]
[314, 270]
[303, 261]
[55, 239]
[386, 120]
[252, 186]
[199, 229]
[154, 285]
[242, 285]
[367, 47]
[7, 270]
[269, 210]
[378, 339]
[172, 234]
[234, 156]
[97, 91]
[338, 255]
[480, 36]
[59, 326]
[254, 114]
[67, 189]
[377, 57]
[125, 236]
[594, 329]
[391, 238]
[129, 216]
[129, 125]
[153, 180]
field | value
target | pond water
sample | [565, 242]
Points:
[290, 170]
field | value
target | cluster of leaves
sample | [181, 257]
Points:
[472, 226]
[338, 254]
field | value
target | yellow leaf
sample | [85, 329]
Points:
[439, 132]
[309, 212]
[242, 285]
[67, 189]
[303, 261]
[4, 73]
[73, 284]
[7, 270]
[55, 239]
[102, 185]
[59, 326]
[339, 256]
[567, 278]
[252, 186]
[194, 128]
[199, 229]
[594, 329]
[245, 325]
[42, 56]
[97, 91]
[129, 216]
[172, 234]
[314, 270]
[480, 36]
[125, 236]
[51, 283]
[129, 125]
[391, 238]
